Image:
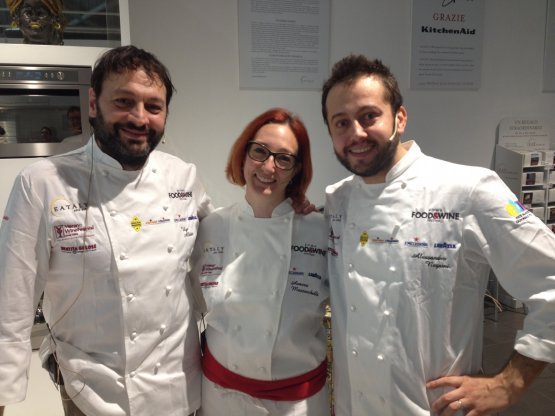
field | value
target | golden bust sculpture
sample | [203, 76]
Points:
[40, 21]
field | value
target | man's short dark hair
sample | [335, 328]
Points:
[130, 58]
[353, 67]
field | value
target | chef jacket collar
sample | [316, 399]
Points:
[413, 153]
[282, 209]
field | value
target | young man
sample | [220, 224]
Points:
[412, 240]
[106, 232]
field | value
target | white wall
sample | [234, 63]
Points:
[197, 40]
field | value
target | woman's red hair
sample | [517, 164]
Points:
[299, 184]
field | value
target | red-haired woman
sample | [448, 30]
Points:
[263, 272]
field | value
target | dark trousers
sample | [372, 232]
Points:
[70, 409]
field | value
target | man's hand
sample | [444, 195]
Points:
[477, 396]
[302, 207]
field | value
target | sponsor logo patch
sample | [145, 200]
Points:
[435, 215]
[308, 249]
[180, 194]
[65, 231]
[61, 205]
[516, 210]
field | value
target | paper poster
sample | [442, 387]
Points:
[446, 45]
[524, 134]
[549, 49]
[283, 44]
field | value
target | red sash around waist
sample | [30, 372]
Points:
[288, 389]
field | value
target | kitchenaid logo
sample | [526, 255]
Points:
[436, 215]
[61, 205]
[180, 194]
[461, 31]
[309, 249]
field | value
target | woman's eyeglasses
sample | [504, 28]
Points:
[260, 153]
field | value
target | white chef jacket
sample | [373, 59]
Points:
[409, 264]
[110, 249]
[265, 284]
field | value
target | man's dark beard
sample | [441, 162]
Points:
[381, 162]
[111, 144]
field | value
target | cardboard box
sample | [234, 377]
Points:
[538, 212]
[532, 178]
[548, 157]
[550, 213]
[531, 158]
[533, 197]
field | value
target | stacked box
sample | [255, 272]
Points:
[532, 178]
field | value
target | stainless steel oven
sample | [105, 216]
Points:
[43, 109]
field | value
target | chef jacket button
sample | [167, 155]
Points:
[133, 336]
[403, 185]
[286, 219]
[154, 170]
[130, 297]
[105, 173]
[282, 257]
[162, 328]
[392, 268]
[352, 225]
[165, 207]
[387, 312]
[168, 290]
[382, 400]
[228, 293]
[268, 334]
[158, 364]
[351, 266]
[132, 374]
[240, 218]
[113, 213]
[353, 308]
[354, 352]
[237, 328]
[170, 248]
[235, 367]
[380, 357]
[359, 394]
[122, 256]
[235, 254]
[262, 369]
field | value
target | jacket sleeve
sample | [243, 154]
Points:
[521, 251]
[23, 269]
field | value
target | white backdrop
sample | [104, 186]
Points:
[197, 39]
